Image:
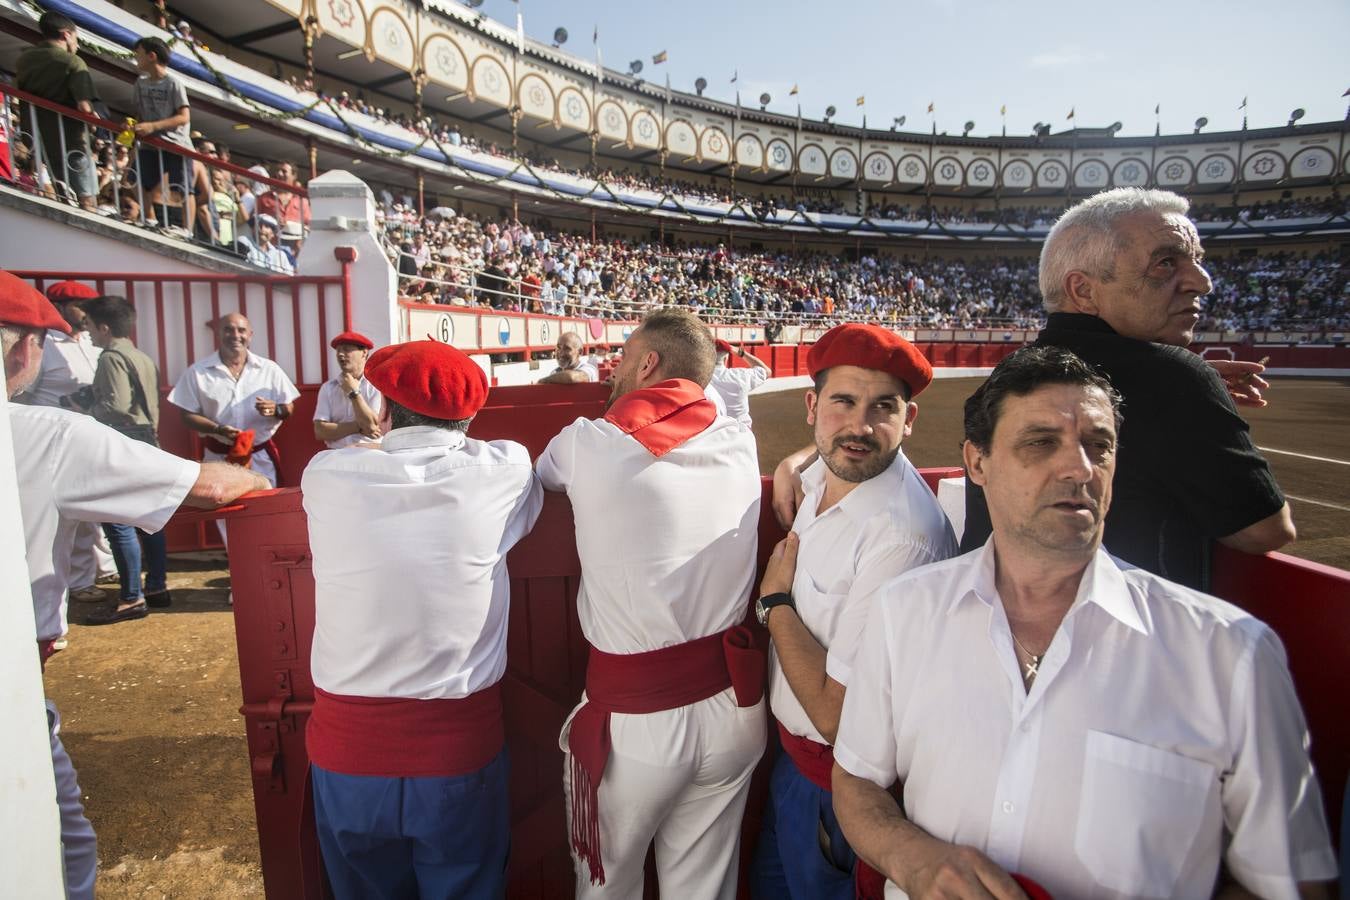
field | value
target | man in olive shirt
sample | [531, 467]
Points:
[51, 70]
[126, 398]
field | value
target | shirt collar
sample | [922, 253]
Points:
[1103, 585]
[422, 437]
[1077, 322]
[250, 361]
[865, 500]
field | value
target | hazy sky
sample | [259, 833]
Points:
[1110, 62]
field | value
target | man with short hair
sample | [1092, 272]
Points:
[572, 367]
[71, 469]
[665, 494]
[50, 69]
[1096, 729]
[406, 740]
[736, 374]
[288, 207]
[126, 398]
[349, 408]
[267, 253]
[235, 390]
[1122, 275]
[867, 516]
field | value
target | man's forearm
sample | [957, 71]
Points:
[219, 483]
[200, 423]
[803, 661]
[334, 431]
[875, 827]
[565, 376]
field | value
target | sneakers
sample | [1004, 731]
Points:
[91, 594]
[60, 644]
[110, 578]
[158, 599]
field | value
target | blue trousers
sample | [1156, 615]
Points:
[430, 838]
[127, 543]
[789, 861]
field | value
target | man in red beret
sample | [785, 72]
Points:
[409, 541]
[665, 494]
[349, 408]
[866, 516]
[736, 374]
[69, 361]
[71, 469]
[1052, 711]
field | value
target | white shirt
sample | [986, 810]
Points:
[882, 528]
[583, 366]
[207, 388]
[1161, 733]
[667, 545]
[409, 543]
[735, 386]
[334, 406]
[73, 469]
[68, 364]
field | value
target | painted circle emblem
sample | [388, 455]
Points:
[1264, 166]
[543, 331]
[948, 171]
[1130, 173]
[1216, 168]
[1174, 171]
[445, 60]
[1052, 174]
[445, 329]
[912, 169]
[645, 128]
[981, 173]
[627, 332]
[573, 107]
[780, 154]
[503, 332]
[537, 95]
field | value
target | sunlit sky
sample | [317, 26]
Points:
[1042, 58]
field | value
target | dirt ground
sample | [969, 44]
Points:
[151, 708]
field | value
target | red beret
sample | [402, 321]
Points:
[1032, 889]
[22, 305]
[353, 337]
[871, 347]
[724, 346]
[64, 291]
[429, 378]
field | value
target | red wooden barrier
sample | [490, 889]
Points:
[1308, 605]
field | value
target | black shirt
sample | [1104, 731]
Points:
[1186, 469]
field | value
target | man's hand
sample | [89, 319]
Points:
[265, 407]
[1243, 380]
[371, 430]
[787, 485]
[955, 872]
[228, 432]
[349, 382]
[143, 129]
[781, 567]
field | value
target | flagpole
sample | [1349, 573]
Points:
[1237, 176]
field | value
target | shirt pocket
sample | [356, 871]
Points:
[1139, 814]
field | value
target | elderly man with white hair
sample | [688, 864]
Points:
[1123, 278]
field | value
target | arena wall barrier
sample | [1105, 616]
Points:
[270, 569]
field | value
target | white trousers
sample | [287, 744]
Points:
[90, 558]
[79, 847]
[680, 778]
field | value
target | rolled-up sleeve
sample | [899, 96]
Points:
[865, 744]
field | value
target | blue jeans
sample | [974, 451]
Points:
[127, 543]
[789, 861]
[393, 838]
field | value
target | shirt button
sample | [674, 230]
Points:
[1007, 807]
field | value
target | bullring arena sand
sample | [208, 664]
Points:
[151, 708]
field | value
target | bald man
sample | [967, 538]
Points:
[234, 390]
[572, 369]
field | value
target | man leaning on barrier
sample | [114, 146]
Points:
[71, 469]
[50, 69]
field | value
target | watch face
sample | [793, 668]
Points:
[761, 613]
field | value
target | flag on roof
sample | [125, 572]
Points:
[735, 76]
[1244, 103]
[861, 101]
[1070, 116]
[659, 58]
[1003, 110]
[930, 106]
[793, 92]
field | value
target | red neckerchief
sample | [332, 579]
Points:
[663, 416]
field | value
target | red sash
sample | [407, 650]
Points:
[663, 416]
[649, 682]
[268, 446]
[815, 761]
[401, 738]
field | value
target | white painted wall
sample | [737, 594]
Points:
[30, 829]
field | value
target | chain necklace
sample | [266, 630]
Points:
[1030, 668]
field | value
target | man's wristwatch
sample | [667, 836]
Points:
[351, 395]
[768, 602]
